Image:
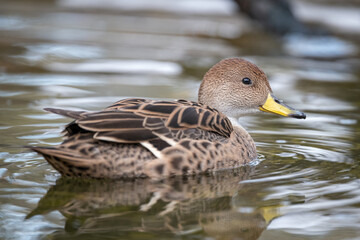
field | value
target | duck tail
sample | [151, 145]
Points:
[65, 163]
[65, 113]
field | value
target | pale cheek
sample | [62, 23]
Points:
[250, 111]
[239, 112]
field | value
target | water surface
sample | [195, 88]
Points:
[82, 55]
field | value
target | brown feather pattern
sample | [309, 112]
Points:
[137, 120]
[178, 114]
[140, 137]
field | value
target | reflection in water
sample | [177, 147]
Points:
[180, 205]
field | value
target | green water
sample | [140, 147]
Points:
[72, 54]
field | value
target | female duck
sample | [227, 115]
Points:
[146, 138]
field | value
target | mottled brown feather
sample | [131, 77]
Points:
[135, 123]
[138, 137]
[136, 114]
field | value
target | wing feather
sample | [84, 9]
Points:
[66, 113]
[127, 135]
[111, 124]
[136, 120]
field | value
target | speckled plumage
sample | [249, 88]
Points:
[191, 138]
[146, 138]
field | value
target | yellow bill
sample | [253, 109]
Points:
[274, 105]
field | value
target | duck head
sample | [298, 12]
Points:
[237, 87]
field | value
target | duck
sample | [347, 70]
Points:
[145, 138]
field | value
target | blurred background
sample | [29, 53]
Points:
[87, 54]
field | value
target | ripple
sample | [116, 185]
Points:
[11, 23]
[47, 80]
[286, 154]
[18, 157]
[278, 177]
[321, 47]
[315, 223]
[318, 103]
[187, 6]
[42, 116]
[348, 121]
[42, 52]
[12, 215]
[10, 94]
[65, 91]
[311, 153]
[320, 215]
[76, 102]
[325, 75]
[2, 172]
[342, 18]
[39, 136]
[22, 182]
[119, 66]
[313, 190]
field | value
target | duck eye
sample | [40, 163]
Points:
[246, 81]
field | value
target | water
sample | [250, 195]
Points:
[82, 55]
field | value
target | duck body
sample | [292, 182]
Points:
[147, 138]
[140, 137]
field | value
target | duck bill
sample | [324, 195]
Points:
[274, 105]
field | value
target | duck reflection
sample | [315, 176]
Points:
[205, 204]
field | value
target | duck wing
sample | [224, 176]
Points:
[179, 114]
[135, 120]
[155, 136]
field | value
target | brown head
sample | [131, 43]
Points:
[237, 87]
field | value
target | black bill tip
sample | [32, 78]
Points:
[298, 115]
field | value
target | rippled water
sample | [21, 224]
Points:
[85, 55]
